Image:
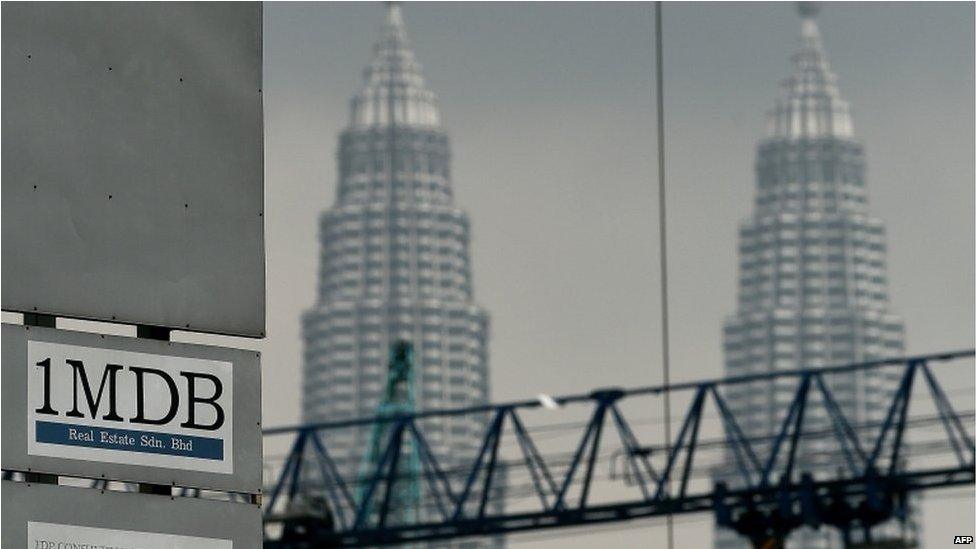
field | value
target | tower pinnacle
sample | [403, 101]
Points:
[808, 10]
[812, 106]
[394, 89]
[394, 29]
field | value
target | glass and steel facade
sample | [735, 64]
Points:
[395, 264]
[813, 289]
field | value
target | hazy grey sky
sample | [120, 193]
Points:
[550, 112]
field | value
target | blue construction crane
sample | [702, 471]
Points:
[774, 493]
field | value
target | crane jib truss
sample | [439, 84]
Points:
[771, 494]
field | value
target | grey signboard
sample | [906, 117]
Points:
[139, 410]
[45, 516]
[133, 166]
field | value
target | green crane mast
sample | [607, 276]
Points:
[397, 399]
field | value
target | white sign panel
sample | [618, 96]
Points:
[108, 405]
[45, 535]
[51, 516]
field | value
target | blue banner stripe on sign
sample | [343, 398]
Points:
[127, 440]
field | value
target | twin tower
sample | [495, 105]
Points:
[395, 265]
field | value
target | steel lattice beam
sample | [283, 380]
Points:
[772, 495]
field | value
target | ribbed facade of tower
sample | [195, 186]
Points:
[812, 274]
[395, 264]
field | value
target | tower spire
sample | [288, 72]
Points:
[809, 31]
[807, 10]
[811, 106]
[394, 91]
[394, 30]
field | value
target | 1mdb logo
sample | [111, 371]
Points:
[962, 540]
[109, 405]
[109, 374]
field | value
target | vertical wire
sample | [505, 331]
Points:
[662, 231]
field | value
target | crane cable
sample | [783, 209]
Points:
[662, 220]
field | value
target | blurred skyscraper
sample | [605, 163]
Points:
[395, 265]
[812, 274]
